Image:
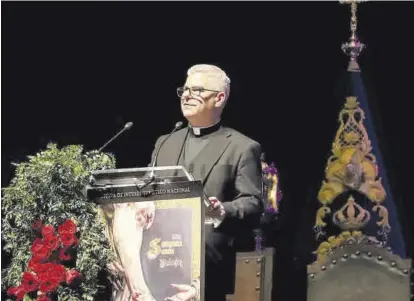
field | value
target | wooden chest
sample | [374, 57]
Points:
[254, 276]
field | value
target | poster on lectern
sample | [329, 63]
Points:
[157, 234]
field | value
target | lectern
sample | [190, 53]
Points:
[156, 228]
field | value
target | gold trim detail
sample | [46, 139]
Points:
[351, 216]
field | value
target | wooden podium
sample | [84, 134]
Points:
[156, 228]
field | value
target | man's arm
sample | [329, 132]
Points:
[248, 185]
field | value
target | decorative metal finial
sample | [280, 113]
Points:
[353, 47]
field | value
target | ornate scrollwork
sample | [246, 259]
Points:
[351, 168]
[383, 223]
[320, 223]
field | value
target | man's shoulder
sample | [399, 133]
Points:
[241, 140]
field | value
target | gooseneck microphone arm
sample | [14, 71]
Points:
[177, 126]
[126, 127]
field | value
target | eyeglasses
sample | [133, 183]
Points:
[193, 91]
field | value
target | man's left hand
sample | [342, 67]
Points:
[217, 210]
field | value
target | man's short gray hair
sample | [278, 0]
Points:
[215, 72]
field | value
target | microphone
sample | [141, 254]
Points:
[177, 126]
[126, 127]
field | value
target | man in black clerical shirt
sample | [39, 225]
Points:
[227, 163]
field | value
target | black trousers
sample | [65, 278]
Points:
[219, 265]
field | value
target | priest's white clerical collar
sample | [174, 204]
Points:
[201, 131]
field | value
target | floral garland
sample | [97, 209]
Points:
[55, 238]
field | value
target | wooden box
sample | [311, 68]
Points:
[254, 276]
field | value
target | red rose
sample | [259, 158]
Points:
[40, 251]
[57, 272]
[63, 255]
[33, 262]
[37, 225]
[17, 291]
[48, 285]
[68, 239]
[50, 271]
[48, 230]
[42, 298]
[72, 275]
[51, 241]
[38, 268]
[41, 269]
[35, 244]
[29, 282]
[67, 227]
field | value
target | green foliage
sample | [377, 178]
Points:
[49, 187]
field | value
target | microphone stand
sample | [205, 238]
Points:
[126, 127]
[177, 126]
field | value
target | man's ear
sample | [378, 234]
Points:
[220, 100]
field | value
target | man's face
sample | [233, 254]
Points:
[201, 98]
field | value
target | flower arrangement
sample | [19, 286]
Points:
[273, 194]
[55, 238]
[45, 271]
